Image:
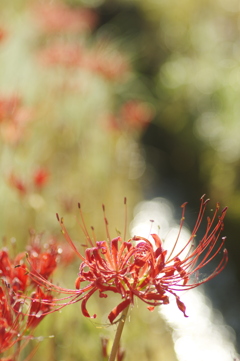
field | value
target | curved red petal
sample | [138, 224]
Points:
[118, 309]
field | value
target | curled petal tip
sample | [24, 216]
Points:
[206, 201]
[181, 306]
[225, 253]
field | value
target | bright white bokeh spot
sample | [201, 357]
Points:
[203, 336]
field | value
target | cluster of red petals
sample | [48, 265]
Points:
[37, 181]
[40, 177]
[38, 309]
[108, 63]
[137, 114]
[140, 268]
[14, 117]
[8, 107]
[3, 34]
[43, 261]
[10, 325]
[59, 18]
[62, 54]
[23, 304]
[133, 114]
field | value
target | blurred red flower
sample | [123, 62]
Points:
[3, 34]
[40, 177]
[62, 54]
[14, 116]
[137, 114]
[35, 182]
[109, 63]
[59, 18]
[133, 115]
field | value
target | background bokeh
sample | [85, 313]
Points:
[105, 99]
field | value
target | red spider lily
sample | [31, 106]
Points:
[3, 34]
[20, 312]
[35, 182]
[14, 272]
[38, 309]
[16, 325]
[107, 62]
[141, 268]
[15, 277]
[62, 54]
[43, 259]
[11, 326]
[58, 18]
[40, 177]
[18, 184]
[8, 107]
[137, 114]
[133, 115]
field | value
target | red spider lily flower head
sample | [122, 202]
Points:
[3, 34]
[43, 259]
[15, 324]
[11, 322]
[35, 182]
[62, 54]
[133, 115]
[8, 107]
[59, 18]
[40, 177]
[137, 114]
[14, 116]
[107, 62]
[20, 311]
[18, 184]
[140, 268]
[13, 276]
[40, 306]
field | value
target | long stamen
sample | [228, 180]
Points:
[106, 222]
[68, 238]
[179, 232]
[84, 227]
[125, 223]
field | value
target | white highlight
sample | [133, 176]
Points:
[203, 336]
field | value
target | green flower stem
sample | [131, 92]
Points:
[117, 338]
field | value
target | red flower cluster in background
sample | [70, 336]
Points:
[63, 54]
[133, 115]
[37, 181]
[14, 117]
[23, 303]
[59, 18]
[3, 34]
